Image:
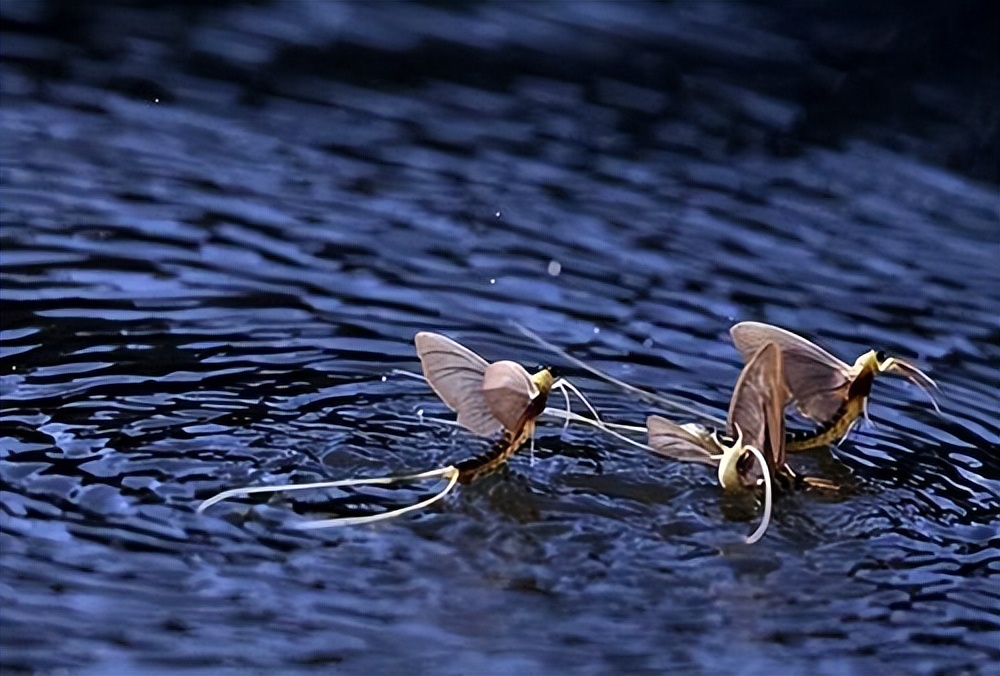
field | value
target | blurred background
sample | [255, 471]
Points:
[222, 223]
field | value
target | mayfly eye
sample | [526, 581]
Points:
[880, 355]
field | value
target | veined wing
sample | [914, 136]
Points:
[758, 405]
[508, 390]
[456, 374]
[674, 441]
[775, 403]
[818, 381]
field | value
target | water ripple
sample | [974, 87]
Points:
[204, 294]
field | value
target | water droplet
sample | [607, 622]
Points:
[497, 214]
[493, 281]
[555, 267]
[13, 368]
[384, 378]
[156, 100]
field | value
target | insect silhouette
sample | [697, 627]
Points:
[489, 398]
[825, 389]
[756, 427]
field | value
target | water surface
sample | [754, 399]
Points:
[202, 290]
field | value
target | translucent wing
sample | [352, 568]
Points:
[508, 390]
[758, 405]
[456, 374]
[818, 381]
[677, 442]
[774, 405]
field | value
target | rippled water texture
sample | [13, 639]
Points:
[205, 285]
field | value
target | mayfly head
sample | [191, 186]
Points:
[553, 371]
[869, 362]
[544, 380]
[735, 468]
[729, 475]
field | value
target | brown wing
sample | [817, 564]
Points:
[758, 405]
[774, 406]
[674, 441]
[818, 381]
[456, 374]
[508, 390]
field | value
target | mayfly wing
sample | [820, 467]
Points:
[456, 374]
[758, 403]
[775, 402]
[818, 381]
[508, 390]
[674, 441]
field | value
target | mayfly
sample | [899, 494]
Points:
[488, 398]
[824, 388]
[433, 347]
[755, 424]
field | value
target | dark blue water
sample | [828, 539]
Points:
[215, 250]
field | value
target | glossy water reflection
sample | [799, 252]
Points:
[198, 294]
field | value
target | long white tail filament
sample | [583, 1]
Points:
[450, 473]
[408, 374]
[766, 519]
[565, 394]
[642, 394]
[564, 384]
[605, 427]
[628, 428]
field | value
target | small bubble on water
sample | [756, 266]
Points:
[648, 343]
[156, 100]
[597, 329]
[384, 378]
[493, 281]
[497, 214]
[555, 267]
